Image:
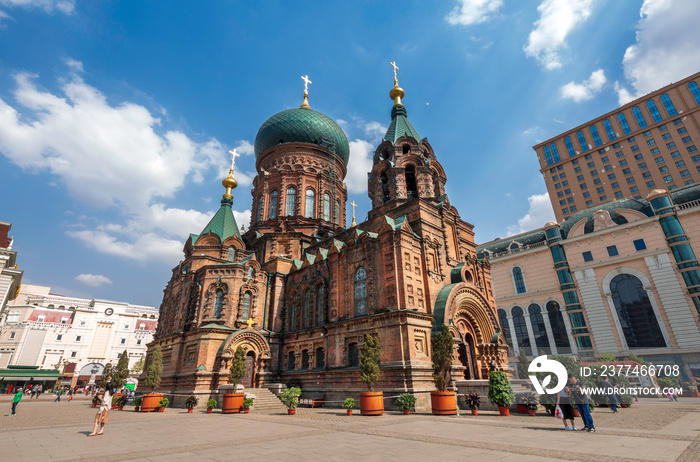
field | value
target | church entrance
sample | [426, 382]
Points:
[249, 379]
[465, 350]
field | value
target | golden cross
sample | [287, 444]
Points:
[234, 154]
[250, 322]
[396, 68]
[306, 80]
[353, 213]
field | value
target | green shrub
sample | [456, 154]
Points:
[349, 403]
[473, 401]
[138, 401]
[247, 403]
[500, 390]
[155, 369]
[369, 364]
[191, 402]
[212, 403]
[237, 369]
[163, 402]
[406, 401]
[443, 345]
[290, 397]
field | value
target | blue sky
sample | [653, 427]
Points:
[116, 116]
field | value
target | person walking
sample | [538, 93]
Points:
[58, 395]
[610, 390]
[15, 401]
[567, 411]
[581, 401]
[103, 411]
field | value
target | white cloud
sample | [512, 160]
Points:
[470, 12]
[557, 19]
[537, 216]
[375, 130]
[359, 165]
[109, 156]
[65, 6]
[93, 280]
[245, 148]
[585, 90]
[666, 48]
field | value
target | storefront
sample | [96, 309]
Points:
[24, 376]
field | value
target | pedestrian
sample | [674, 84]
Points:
[103, 411]
[58, 395]
[567, 411]
[581, 401]
[610, 390]
[15, 401]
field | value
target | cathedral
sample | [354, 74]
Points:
[299, 290]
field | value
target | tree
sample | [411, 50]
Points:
[442, 358]
[106, 375]
[369, 364]
[155, 368]
[237, 369]
[500, 391]
[138, 367]
[121, 372]
[607, 357]
[523, 364]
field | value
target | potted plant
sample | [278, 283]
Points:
[406, 401]
[247, 404]
[137, 403]
[520, 403]
[190, 403]
[152, 381]
[626, 400]
[531, 402]
[500, 391]
[96, 401]
[211, 404]
[163, 403]
[443, 401]
[348, 404]
[473, 402]
[371, 402]
[233, 402]
[121, 402]
[290, 398]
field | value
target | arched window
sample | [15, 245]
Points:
[353, 355]
[290, 361]
[218, 303]
[360, 292]
[327, 207]
[623, 123]
[384, 180]
[609, 130]
[651, 105]
[307, 307]
[635, 313]
[518, 280]
[640, 118]
[595, 135]
[337, 213]
[260, 208]
[310, 203]
[320, 305]
[290, 202]
[273, 205]
[521, 334]
[582, 141]
[556, 321]
[555, 153]
[668, 104]
[320, 358]
[693, 87]
[251, 272]
[293, 314]
[569, 146]
[304, 360]
[411, 185]
[548, 155]
[245, 306]
[503, 321]
[538, 329]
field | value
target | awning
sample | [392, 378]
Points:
[28, 379]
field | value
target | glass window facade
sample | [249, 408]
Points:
[636, 315]
[668, 104]
[569, 146]
[609, 130]
[651, 105]
[640, 118]
[595, 135]
[623, 123]
[519, 280]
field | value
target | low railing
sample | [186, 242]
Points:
[521, 248]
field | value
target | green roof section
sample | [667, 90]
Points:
[440, 306]
[302, 125]
[223, 224]
[400, 126]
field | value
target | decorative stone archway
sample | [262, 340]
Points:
[257, 355]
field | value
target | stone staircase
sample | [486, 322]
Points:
[265, 400]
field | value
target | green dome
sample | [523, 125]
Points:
[302, 125]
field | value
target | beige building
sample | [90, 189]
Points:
[651, 142]
[10, 276]
[75, 335]
[620, 277]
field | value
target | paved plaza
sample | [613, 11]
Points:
[653, 430]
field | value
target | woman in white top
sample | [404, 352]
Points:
[103, 411]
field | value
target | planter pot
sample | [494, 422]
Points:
[503, 410]
[621, 405]
[150, 402]
[349, 411]
[189, 410]
[291, 411]
[475, 411]
[136, 408]
[522, 409]
[532, 413]
[443, 402]
[209, 410]
[372, 403]
[121, 408]
[576, 413]
[406, 411]
[94, 405]
[246, 410]
[233, 402]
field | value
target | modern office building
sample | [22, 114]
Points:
[649, 143]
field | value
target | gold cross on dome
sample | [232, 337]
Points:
[396, 68]
[250, 322]
[234, 154]
[353, 213]
[306, 80]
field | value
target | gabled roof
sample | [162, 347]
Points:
[223, 224]
[400, 126]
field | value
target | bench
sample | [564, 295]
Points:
[312, 401]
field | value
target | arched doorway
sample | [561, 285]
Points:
[635, 312]
[466, 353]
[249, 379]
